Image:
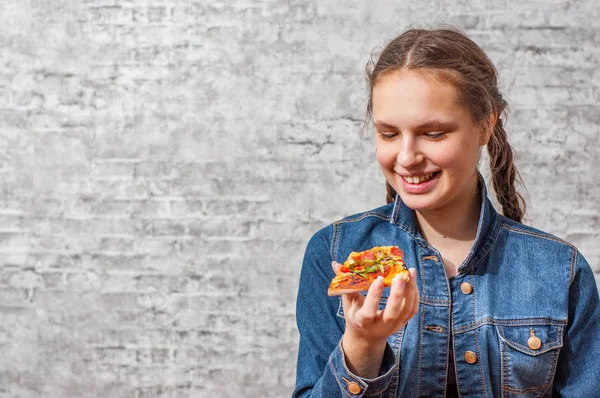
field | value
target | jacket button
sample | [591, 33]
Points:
[466, 288]
[533, 341]
[354, 388]
[470, 357]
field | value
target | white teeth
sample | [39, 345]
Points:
[419, 179]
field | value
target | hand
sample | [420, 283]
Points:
[368, 327]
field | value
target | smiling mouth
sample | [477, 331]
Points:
[420, 179]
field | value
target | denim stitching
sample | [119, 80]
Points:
[336, 378]
[362, 384]
[421, 331]
[334, 241]
[554, 363]
[410, 232]
[572, 266]
[423, 279]
[359, 382]
[547, 347]
[536, 234]
[394, 210]
[476, 338]
[383, 388]
[525, 390]
[504, 359]
[543, 388]
[528, 351]
[435, 302]
[421, 354]
[364, 215]
[455, 371]
[393, 385]
[509, 322]
[396, 378]
[407, 228]
[447, 351]
[337, 227]
[479, 363]
[486, 249]
[551, 373]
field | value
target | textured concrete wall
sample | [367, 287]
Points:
[163, 164]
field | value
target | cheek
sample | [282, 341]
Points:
[456, 157]
[385, 156]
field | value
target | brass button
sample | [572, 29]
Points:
[466, 288]
[533, 341]
[354, 388]
[470, 357]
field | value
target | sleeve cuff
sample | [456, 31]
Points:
[355, 386]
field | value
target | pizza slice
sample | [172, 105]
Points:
[361, 269]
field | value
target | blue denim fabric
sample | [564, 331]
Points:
[524, 281]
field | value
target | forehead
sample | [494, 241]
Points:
[411, 97]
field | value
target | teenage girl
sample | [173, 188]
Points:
[494, 308]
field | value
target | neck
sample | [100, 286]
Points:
[455, 222]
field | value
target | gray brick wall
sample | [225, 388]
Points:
[149, 149]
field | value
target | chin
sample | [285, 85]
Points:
[417, 206]
[418, 203]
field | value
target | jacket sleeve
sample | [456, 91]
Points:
[321, 369]
[577, 368]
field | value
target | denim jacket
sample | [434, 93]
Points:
[523, 314]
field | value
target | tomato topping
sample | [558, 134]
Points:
[386, 270]
[345, 269]
[396, 252]
[370, 256]
[359, 268]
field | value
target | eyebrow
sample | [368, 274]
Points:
[434, 123]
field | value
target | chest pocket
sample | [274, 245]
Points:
[529, 355]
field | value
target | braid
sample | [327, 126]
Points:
[504, 174]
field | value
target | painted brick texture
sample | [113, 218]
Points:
[159, 160]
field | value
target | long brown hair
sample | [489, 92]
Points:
[459, 61]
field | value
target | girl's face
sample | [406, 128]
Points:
[427, 143]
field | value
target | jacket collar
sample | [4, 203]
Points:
[487, 229]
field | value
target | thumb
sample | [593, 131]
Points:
[336, 266]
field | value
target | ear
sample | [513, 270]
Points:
[488, 129]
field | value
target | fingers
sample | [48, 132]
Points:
[395, 300]
[408, 305]
[350, 300]
[411, 300]
[370, 307]
[403, 301]
[401, 306]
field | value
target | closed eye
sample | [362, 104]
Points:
[436, 136]
[387, 135]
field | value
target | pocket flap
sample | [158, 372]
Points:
[518, 337]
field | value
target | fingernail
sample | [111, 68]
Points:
[380, 280]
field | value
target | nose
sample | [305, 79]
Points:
[409, 153]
